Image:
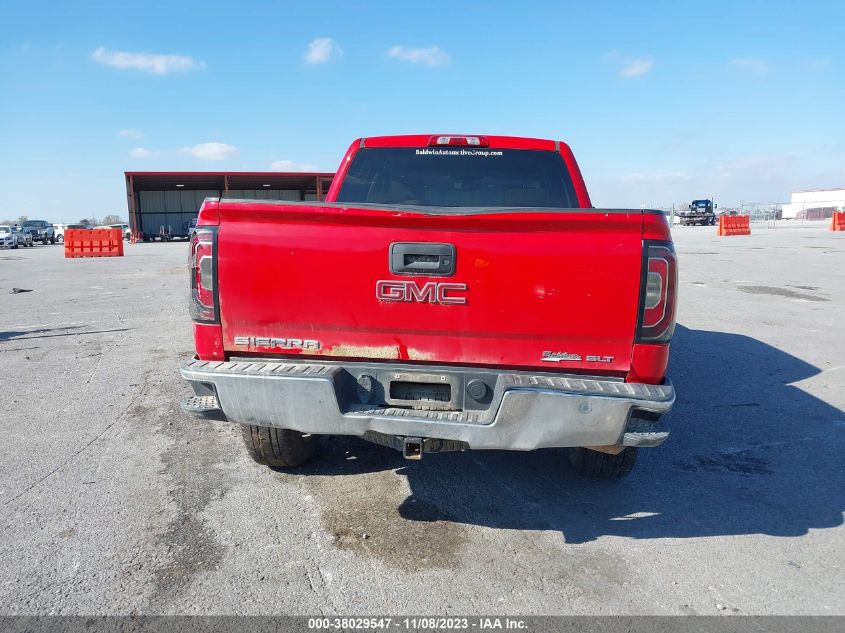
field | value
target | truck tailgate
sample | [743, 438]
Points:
[551, 290]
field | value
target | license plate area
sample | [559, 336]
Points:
[432, 392]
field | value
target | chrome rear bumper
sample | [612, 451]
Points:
[525, 411]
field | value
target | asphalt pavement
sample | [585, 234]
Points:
[114, 502]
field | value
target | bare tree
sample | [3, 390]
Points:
[112, 219]
[21, 219]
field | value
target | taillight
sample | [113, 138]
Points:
[203, 270]
[658, 293]
[471, 141]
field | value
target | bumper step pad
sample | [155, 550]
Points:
[205, 407]
[644, 433]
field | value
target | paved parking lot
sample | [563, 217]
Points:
[112, 501]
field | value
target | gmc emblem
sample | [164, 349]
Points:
[430, 292]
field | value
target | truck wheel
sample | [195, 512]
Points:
[594, 464]
[60, 239]
[278, 448]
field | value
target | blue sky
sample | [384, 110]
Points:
[662, 102]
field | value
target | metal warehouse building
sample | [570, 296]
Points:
[163, 204]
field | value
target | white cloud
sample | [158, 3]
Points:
[753, 65]
[156, 64]
[631, 66]
[433, 56]
[322, 50]
[141, 152]
[637, 68]
[130, 133]
[211, 151]
[289, 165]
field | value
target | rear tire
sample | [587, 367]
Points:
[603, 465]
[60, 239]
[278, 448]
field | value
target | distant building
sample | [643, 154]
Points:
[814, 204]
[164, 204]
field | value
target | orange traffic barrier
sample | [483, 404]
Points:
[93, 242]
[837, 222]
[734, 225]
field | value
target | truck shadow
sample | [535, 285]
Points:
[749, 454]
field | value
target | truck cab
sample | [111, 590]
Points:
[699, 212]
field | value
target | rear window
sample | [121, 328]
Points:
[458, 177]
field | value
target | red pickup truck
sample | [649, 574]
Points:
[451, 293]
